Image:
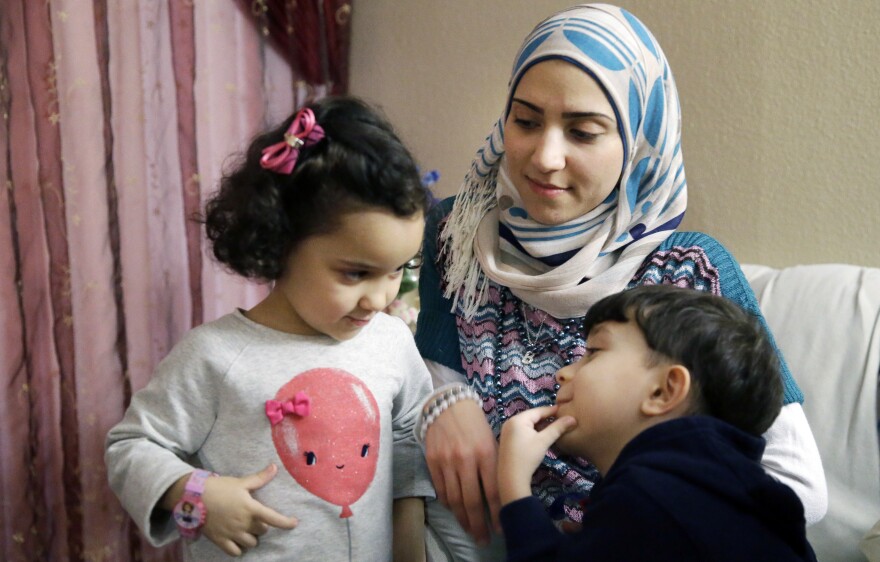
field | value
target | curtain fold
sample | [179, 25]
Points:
[313, 35]
[117, 120]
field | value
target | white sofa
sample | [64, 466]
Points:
[826, 320]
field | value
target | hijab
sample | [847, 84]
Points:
[600, 252]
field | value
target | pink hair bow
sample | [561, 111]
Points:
[303, 131]
[299, 406]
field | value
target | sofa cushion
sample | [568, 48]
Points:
[826, 321]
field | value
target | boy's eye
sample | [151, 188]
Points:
[365, 449]
[311, 459]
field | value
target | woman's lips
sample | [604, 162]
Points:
[545, 189]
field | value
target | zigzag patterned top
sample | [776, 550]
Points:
[490, 350]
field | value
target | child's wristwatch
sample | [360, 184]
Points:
[190, 512]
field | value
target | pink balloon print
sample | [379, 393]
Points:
[331, 450]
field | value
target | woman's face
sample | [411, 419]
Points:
[564, 154]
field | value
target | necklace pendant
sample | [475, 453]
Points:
[528, 357]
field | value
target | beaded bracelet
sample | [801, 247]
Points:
[440, 401]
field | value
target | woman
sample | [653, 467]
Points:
[575, 195]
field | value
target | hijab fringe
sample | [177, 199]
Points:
[465, 281]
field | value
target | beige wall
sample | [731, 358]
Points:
[780, 102]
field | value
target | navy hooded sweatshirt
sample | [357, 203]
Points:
[687, 489]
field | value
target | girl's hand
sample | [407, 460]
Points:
[235, 520]
[408, 544]
[461, 454]
[523, 447]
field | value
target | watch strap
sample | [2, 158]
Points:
[196, 483]
[190, 513]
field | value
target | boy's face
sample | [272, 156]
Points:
[604, 392]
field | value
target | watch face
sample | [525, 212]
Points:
[188, 515]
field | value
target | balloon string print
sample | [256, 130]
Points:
[348, 526]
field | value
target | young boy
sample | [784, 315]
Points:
[669, 402]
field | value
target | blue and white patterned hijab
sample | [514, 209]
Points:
[565, 277]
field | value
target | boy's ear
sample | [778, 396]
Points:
[672, 385]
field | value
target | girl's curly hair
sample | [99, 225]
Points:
[257, 217]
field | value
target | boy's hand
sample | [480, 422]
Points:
[523, 447]
[235, 520]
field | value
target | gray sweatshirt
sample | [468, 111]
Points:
[221, 400]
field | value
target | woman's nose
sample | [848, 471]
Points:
[549, 154]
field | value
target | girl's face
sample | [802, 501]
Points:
[335, 283]
[563, 150]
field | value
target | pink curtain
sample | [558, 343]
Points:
[117, 118]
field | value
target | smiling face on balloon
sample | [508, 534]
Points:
[325, 426]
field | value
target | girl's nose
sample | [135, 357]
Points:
[378, 296]
[549, 154]
[373, 300]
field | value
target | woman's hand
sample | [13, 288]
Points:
[462, 456]
[235, 520]
[523, 446]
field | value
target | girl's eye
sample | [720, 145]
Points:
[354, 275]
[311, 459]
[414, 263]
[365, 449]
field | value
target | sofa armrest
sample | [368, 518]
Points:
[826, 321]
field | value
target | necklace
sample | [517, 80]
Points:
[510, 368]
[558, 336]
[532, 347]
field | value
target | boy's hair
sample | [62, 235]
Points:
[735, 369]
[259, 216]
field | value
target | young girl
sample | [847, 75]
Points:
[315, 379]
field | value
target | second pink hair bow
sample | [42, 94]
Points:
[299, 406]
[303, 131]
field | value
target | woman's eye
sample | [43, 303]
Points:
[525, 123]
[311, 459]
[580, 134]
[365, 449]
